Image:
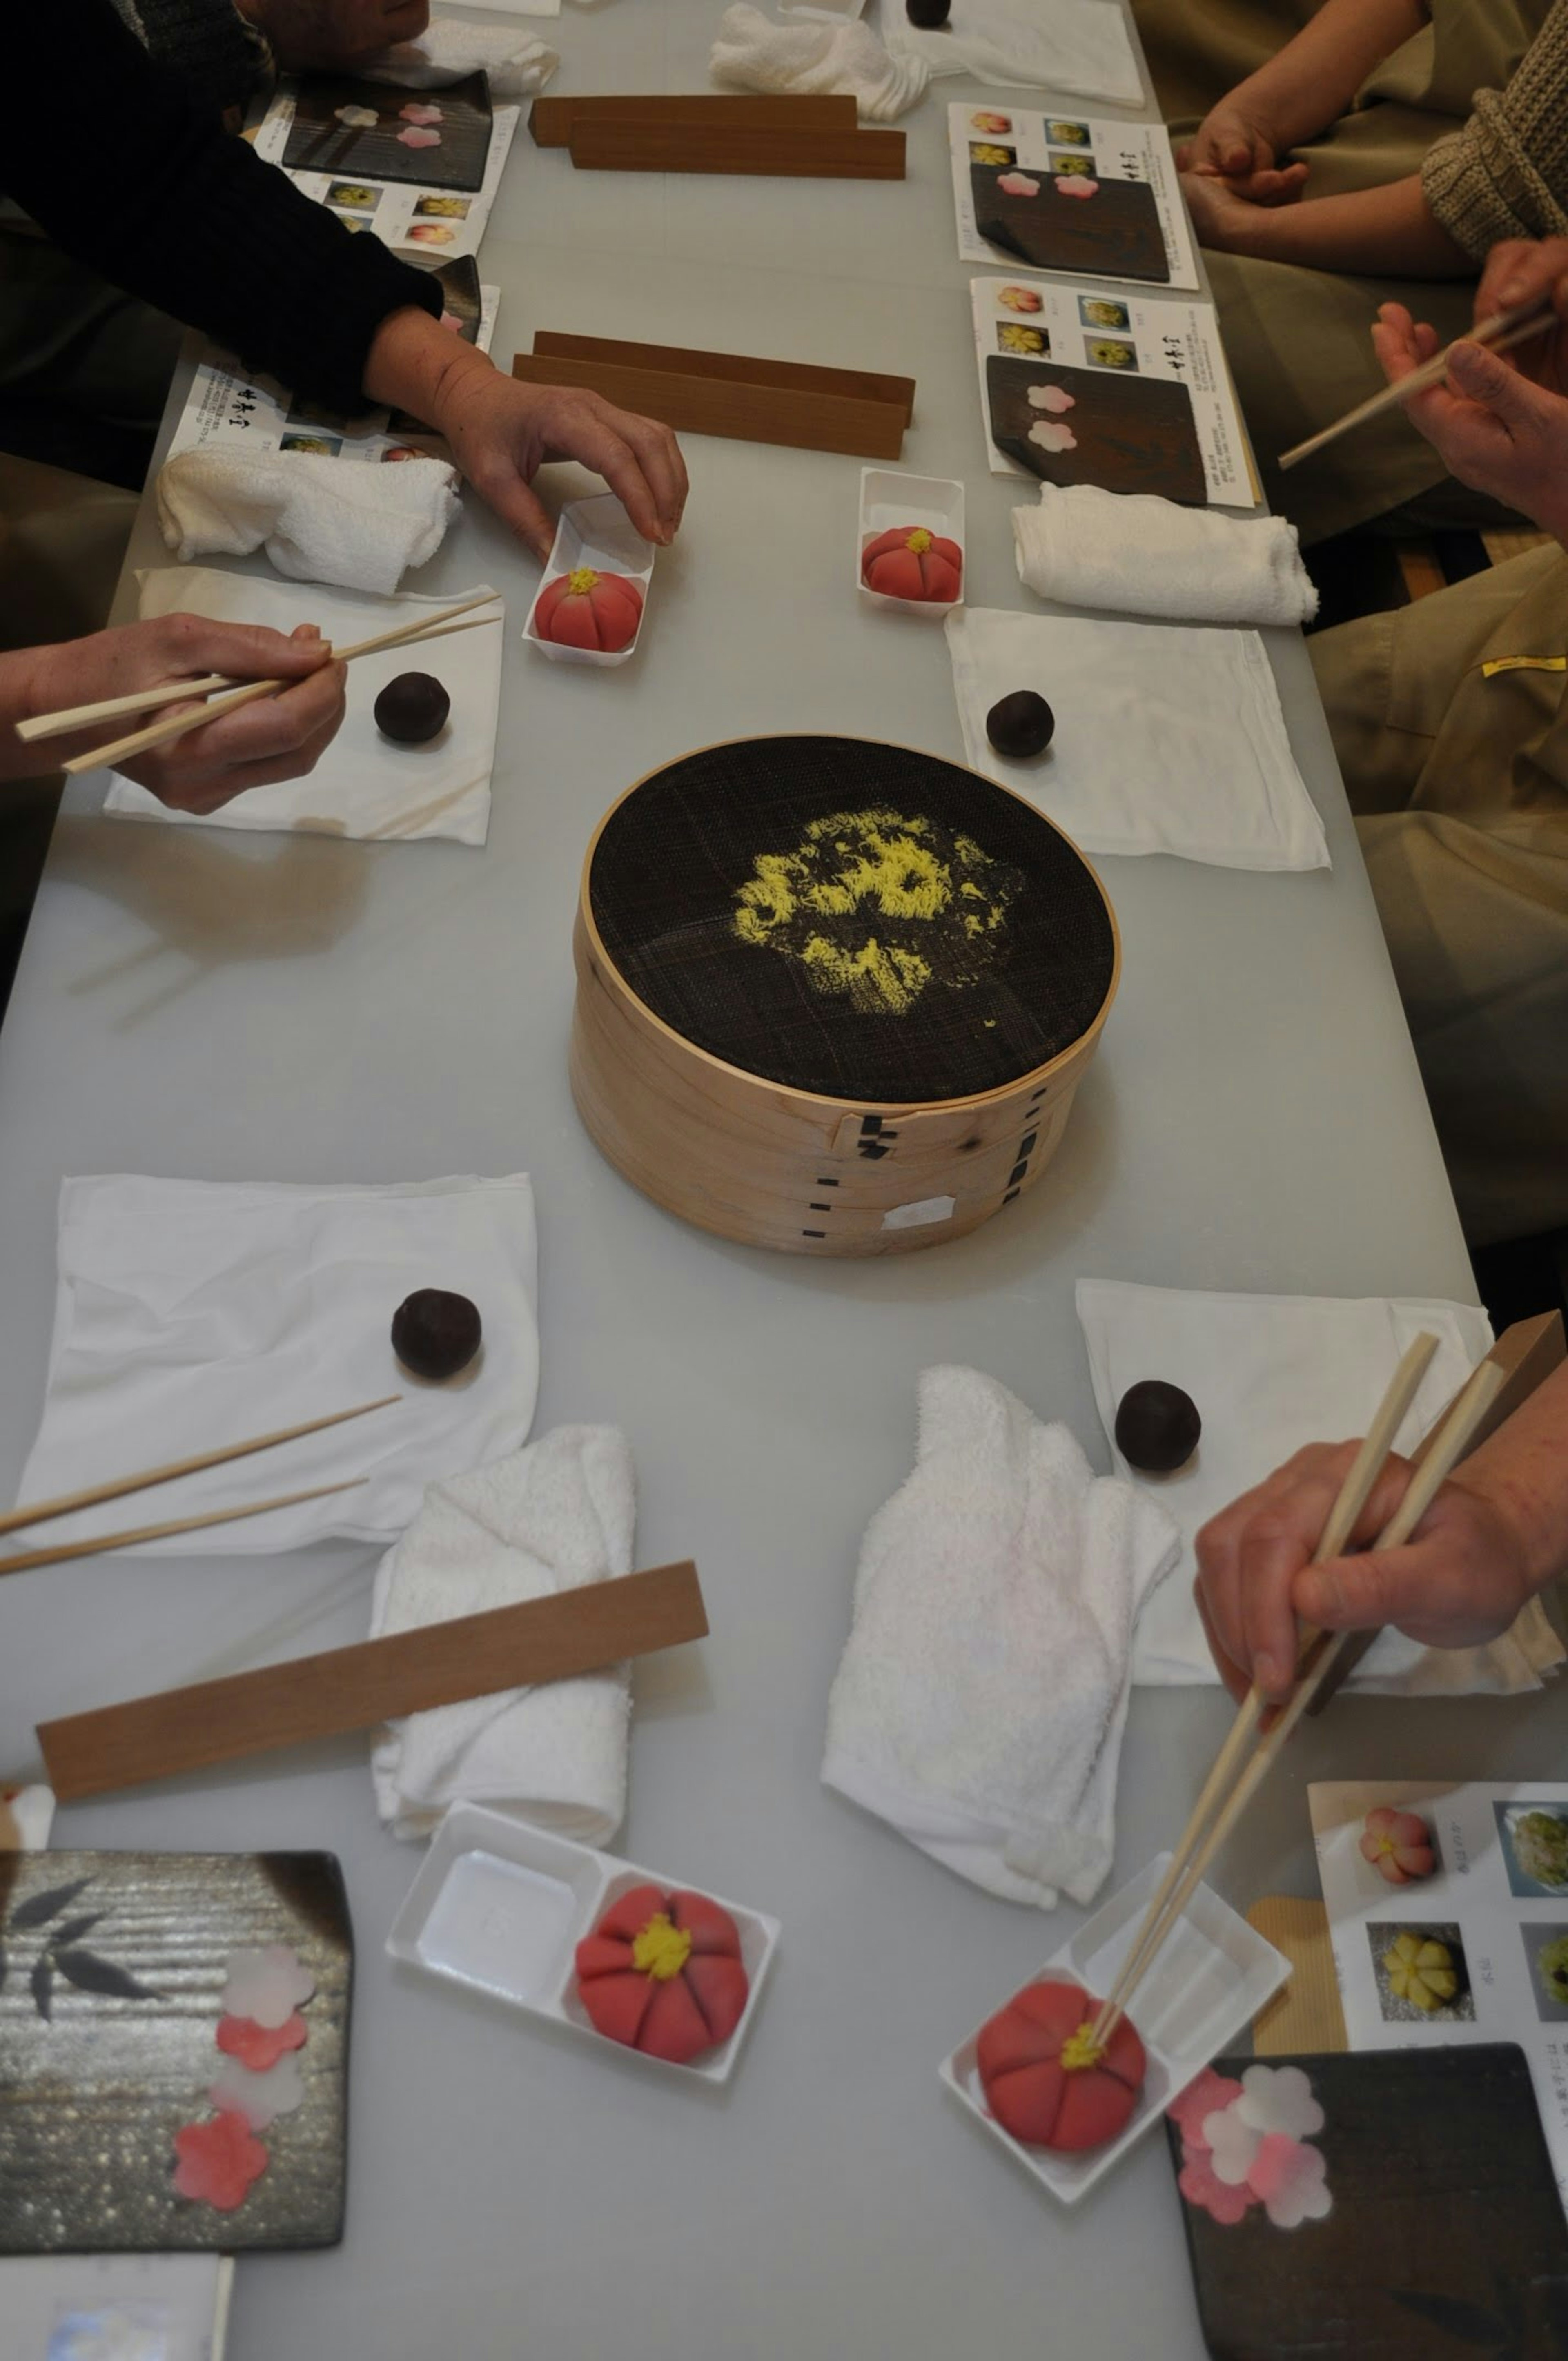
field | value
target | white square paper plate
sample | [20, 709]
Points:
[1210, 1977]
[501, 1907]
[599, 533]
[888, 500]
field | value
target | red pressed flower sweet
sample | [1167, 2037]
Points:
[1047, 2081]
[587, 609]
[218, 2161]
[911, 563]
[260, 2047]
[1399, 1845]
[662, 1972]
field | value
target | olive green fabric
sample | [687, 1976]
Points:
[1459, 783]
[1297, 340]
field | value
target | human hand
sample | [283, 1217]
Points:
[1224, 220]
[319, 34]
[1460, 1578]
[274, 738]
[501, 431]
[1500, 421]
[1234, 145]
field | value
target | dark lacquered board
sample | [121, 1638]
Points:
[93, 2092]
[318, 142]
[1447, 2236]
[1114, 234]
[1132, 434]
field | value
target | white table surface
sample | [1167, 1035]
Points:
[300, 1009]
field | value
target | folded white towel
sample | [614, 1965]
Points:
[548, 1519]
[752, 54]
[517, 64]
[1077, 46]
[1135, 553]
[1270, 1373]
[320, 519]
[981, 1697]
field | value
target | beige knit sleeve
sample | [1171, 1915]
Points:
[1506, 174]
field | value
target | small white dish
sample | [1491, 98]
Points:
[1210, 1977]
[889, 499]
[501, 1907]
[596, 532]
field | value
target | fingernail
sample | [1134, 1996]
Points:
[1265, 1672]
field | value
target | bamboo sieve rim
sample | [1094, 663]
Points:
[978, 1100]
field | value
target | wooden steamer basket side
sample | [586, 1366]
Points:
[768, 1163]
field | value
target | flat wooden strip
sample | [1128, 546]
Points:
[601, 146]
[344, 1689]
[735, 369]
[700, 405]
[1527, 1354]
[1305, 2015]
[551, 119]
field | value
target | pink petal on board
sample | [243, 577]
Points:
[1291, 2178]
[1199, 2185]
[415, 113]
[218, 2161]
[1053, 438]
[1074, 184]
[415, 137]
[260, 2045]
[1205, 2095]
[1054, 398]
[1018, 184]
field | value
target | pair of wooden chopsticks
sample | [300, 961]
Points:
[437, 626]
[65, 1504]
[1230, 1785]
[1499, 333]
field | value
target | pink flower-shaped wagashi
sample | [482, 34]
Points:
[267, 1986]
[1053, 438]
[1292, 2180]
[416, 136]
[1278, 2099]
[1399, 1845]
[1231, 2145]
[218, 2161]
[418, 112]
[1200, 2186]
[1054, 398]
[1018, 184]
[359, 118]
[260, 2098]
[260, 2045]
[1207, 2095]
[1077, 184]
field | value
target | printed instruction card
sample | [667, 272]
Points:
[1069, 192]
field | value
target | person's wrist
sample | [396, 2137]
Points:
[1534, 1534]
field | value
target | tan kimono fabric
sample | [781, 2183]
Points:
[1458, 775]
[1297, 340]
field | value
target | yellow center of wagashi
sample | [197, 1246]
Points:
[1081, 2050]
[581, 580]
[660, 1949]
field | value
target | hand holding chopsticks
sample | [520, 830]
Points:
[1499, 333]
[1225, 1796]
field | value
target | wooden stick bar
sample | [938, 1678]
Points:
[1500, 333]
[734, 368]
[58, 1553]
[749, 401]
[599, 146]
[552, 1639]
[551, 120]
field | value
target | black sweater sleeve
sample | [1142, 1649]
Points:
[158, 198]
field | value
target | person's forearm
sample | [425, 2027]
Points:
[414, 365]
[1314, 77]
[1377, 233]
[18, 702]
[1523, 1470]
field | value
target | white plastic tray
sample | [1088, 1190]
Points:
[1209, 1978]
[889, 499]
[599, 533]
[501, 1907]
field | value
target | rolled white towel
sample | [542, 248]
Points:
[751, 53]
[1132, 553]
[980, 1700]
[547, 1519]
[448, 49]
[318, 519]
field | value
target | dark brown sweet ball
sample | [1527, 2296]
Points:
[435, 1334]
[1020, 725]
[413, 708]
[928, 13]
[1157, 1427]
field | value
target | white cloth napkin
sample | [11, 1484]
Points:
[549, 1519]
[1075, 46]
[318, 519]
[364, 785]
[448, 49]
[190, 1314]
[1270, 1373]
[751, 53]
[982, 1697]
[1135, 553]
[1168, 739]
